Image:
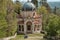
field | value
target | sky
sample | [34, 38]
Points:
[47, 0]
[53, 0]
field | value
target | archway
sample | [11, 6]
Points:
[29, 27]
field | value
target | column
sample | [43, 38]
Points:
[21, 28]
[32, 28]
[40, 28]
[25, 28]
[36, 28]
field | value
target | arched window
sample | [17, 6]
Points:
[19, 27]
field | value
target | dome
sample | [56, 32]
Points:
[28, 6]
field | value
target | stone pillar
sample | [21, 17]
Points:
[36, 27]
[40, 28]
[32, 28]
[21, 28]
[25, 28]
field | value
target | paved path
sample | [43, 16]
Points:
[8, 38]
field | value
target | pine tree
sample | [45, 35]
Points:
[44, 3]
[35, 2]
[55, 10]
[18, 7]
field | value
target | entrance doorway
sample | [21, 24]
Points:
[29, 27]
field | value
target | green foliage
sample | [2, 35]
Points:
[35, 2]
[51, 22]
[7, 27]
[17, 7]
[52, 25]
[3, 23]
[42, 10]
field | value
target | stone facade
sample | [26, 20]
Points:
[29, 24]
[28, 20]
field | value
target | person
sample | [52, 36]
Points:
[25, 36]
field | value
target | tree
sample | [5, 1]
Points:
[3, 23]
[50, 21]
[42, 10]
[53, 25]
[55, 10]
[35, 2]
[7, 17]
[11, 19]
[18, 7]
[45, 4]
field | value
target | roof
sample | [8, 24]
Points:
[28, 6]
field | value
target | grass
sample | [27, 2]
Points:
[21, 37]
[18, 37]
[33, 35]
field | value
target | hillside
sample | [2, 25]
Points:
[53, 4]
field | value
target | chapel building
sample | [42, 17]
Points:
[28, 20]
